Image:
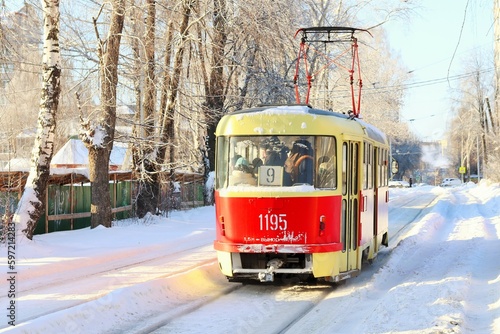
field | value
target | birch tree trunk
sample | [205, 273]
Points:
[32, 203]
[99, 137]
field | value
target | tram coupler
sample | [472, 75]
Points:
[272, 265]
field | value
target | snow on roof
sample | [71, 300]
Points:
[27, 133]
[124, 110]
[118, 153]
[74, 152]
[17, 164]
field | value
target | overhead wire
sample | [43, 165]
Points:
[384, 89]
[459, 37]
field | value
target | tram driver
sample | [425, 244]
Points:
[273, 151]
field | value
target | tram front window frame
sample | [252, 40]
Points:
[276, 161]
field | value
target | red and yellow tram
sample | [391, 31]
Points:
[299, 191]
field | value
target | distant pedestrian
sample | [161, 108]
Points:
[411, 182]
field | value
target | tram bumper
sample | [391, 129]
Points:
[236, 266]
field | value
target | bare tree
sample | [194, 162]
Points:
[20, 85]
[98, 136]
[474, 126]
[32, 203]
[145, 154]
[491, 169]
[244, 55]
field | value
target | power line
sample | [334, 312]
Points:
[459, 37]
[429, 82]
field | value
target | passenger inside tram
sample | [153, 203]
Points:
[273, 163]
[299, 164]
[242, 174]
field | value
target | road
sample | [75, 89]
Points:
[423, 282]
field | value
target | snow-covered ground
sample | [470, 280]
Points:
[440, 274]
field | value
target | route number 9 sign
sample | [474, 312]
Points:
[270, 175]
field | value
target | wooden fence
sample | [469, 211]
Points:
[68, 197]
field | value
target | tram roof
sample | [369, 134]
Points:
[340, 123]
[290, 109]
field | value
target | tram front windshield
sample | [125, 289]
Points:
[277, 161]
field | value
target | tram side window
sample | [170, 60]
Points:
[368, 166]
[344, 169]
[326, 167]
[385, 168]
[222, 162]
[380, 167]
[365, 165]
[354, 165]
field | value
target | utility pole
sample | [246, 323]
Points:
[478, 164]
[496, 47]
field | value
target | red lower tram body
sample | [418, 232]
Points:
[302, 236]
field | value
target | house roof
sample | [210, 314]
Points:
[15, 181]
[74, 152]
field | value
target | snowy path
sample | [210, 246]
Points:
[442, 278]
[87, 268]
[441, 274]
[79, 286]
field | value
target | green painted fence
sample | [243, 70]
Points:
[69, 206]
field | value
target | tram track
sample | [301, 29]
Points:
[156, 323]
[110, 268]
[106, 280]
[256, 308]
[306, 312]
[263, 306]
[415, 205]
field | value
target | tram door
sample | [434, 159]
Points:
[350, 203]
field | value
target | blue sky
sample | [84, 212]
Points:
[426, 44]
